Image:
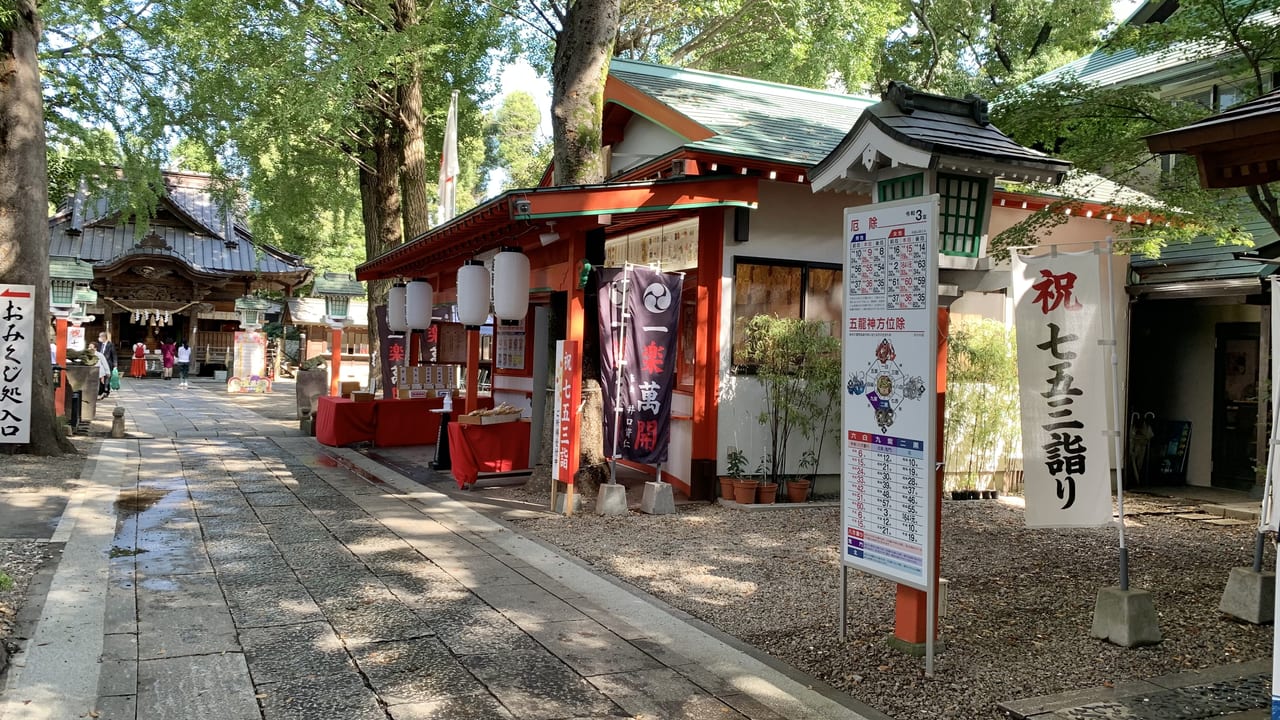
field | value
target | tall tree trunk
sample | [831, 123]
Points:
[579, 70]
[381, 210]
[24, 205]
[413, 173]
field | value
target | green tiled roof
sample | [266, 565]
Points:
[1204, 259]
[338, 284]
[751, 118]
[69, 268]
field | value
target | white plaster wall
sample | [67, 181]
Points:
[792, 223]
[680, 449]
[642, 140]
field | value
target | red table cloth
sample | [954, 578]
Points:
[341, 421]
[501, 447]
[406, 422]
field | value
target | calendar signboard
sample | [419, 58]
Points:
[890, 357]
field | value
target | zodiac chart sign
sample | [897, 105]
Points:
[885, 385]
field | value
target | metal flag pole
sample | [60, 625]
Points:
[620, 360]
[1115, 413]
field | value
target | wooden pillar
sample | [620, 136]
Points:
[575, 320]
[473, 370]
[706, 378]
[60, 341]
[910, 612]
[335, 364]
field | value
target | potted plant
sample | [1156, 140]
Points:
[744, 488]
[798, 488]
[819, 410]
[767, 488]
[786, 355]
[736, 467]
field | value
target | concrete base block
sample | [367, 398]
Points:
[611, 500]
[914, 649]
[1250, 596]
[658, 499]
[561, 505]
[1125, 617]
[117, 422]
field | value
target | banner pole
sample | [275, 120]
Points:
[620, 356]
[1116, 444]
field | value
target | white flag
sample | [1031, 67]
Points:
[449, 164]
[1270, 519]
[1060, 311]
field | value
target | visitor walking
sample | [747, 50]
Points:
[139, 367]
[107, 349]
[168, 354]
[104, 372]
[184, 362]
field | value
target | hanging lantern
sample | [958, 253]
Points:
[397, 309]
[418, 304]
[473, 294]
[511, 285]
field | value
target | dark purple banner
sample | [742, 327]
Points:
[648, 330]
[392, 349]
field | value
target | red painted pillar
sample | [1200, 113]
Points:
[60, 340]
[335, 344]
[910, 618]
[473, 370]
[706, 380]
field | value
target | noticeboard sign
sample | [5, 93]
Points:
[17, 361]
[889, 410]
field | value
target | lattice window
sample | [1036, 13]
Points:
[960, 226]
[908, 186]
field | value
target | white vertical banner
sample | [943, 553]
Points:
[17, 361]
[448, 186]
[1060, 312]
[1271, 509]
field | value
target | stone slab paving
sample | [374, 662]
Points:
[242, 574]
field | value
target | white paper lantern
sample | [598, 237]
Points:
[510, 284]
[473, 293]
[418, 304]
[397, 309]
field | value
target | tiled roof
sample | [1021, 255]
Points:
[198, 239]
[331, 283]
[310, 311]
[947, 126]
[1204, 259]
[69, 268]
[751, 118]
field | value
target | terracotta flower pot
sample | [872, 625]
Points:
[726, 487]
[767, 493]
[744, 491]
[797, 491]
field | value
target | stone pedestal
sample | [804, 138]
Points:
[611, 500]
[1250, 595]
[117, 422]
[658, 499]
[309, 386]
[562, 507]
[1125, 617]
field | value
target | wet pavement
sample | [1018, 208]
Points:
[221, 565]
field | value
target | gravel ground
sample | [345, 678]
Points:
[1021, 601]
[23, 478]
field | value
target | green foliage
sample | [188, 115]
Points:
[276, 330]
[513, 144]
[956, 47]
[6, 582]
[1101, 129]
[792, 359]
[982, 425]
[736, 464]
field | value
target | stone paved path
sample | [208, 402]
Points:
[222, 566]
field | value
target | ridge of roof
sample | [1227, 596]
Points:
[707, 77]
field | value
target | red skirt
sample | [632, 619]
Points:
[138, 368]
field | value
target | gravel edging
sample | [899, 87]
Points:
[1021, 601]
